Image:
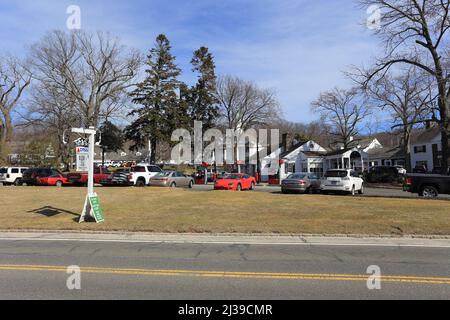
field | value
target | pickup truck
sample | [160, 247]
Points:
[81, 178]
[427, 185]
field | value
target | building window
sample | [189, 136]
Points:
[420, 149]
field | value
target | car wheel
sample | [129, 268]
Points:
[140, 183]
[252, 187]
[173, 185]
[429, 192]
[18, 182]
[59, 184]
[239, 187]
[191, 184]
[361, 191]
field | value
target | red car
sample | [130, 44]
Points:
[236, 182]
[55, 179]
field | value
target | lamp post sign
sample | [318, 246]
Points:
[85, 162]
[82, 159]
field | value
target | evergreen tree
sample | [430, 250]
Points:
[112, 139]
[202, 99]
[160, 110]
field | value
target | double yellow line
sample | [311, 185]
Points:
[232, 275]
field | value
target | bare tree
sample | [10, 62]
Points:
[416, 33]
[407, 98]
[93, 70]
[244, 105]
[15, 77]
[343, 111]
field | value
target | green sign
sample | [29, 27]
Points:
[96, 209]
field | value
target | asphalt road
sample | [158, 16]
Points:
[369, 192]
[121, 270]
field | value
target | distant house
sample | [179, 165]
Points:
[310, 157]
[391, 156]
[426, 148]
[285, 163]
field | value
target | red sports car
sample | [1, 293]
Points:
[236, 182]
[56, 179]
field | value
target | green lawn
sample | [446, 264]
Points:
[183, 211]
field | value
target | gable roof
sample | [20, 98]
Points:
[425, 136]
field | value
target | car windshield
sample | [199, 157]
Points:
[297, 176]
[336, 174]
[232, 177]
[3, 170]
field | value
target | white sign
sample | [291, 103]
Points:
[82, 159]
[82, 162]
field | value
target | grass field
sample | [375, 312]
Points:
[183, 211]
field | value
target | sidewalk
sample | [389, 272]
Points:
[308, 240]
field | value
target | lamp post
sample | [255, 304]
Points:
[91, 205]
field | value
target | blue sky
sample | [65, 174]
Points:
[297, 47]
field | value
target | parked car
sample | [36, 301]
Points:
[142, 173]
[427, 185]
[235, 181]
[55, 179]
[81, 178]
[12, 175]
[30, 176]
[342, 180]
[172, 179]
[301, 183]
[120, 177]
[383, 174]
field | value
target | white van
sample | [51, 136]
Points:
[12, 175]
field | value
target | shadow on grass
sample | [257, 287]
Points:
[49, 212]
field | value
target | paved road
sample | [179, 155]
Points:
[369, 192]
[136, 270]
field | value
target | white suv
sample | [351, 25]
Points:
[142, 173]
[342, 180]
[12, 175]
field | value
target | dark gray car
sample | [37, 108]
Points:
[301, 183]
[172, 179]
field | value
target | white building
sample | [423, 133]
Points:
[310, 157]
[426, 149]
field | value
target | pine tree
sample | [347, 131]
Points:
[112, 139]
[202, 99]
[160, 110]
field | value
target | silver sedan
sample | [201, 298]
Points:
[172, 179]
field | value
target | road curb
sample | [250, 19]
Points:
[231, 239]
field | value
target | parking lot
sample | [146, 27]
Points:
[369, 192]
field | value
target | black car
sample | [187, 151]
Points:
[118, 178]
[30, 175]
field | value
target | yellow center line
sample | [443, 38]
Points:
[233, 275]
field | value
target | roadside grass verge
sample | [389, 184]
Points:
[184, 211]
